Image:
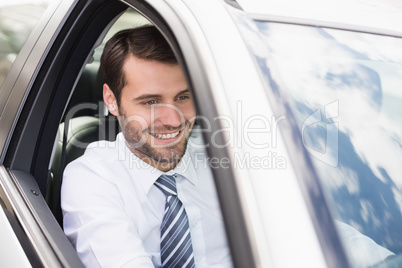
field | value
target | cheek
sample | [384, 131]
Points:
[137, 122]
[188, 112]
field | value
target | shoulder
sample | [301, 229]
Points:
[100, 158]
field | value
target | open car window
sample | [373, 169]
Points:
[87, 120]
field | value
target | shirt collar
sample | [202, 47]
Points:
[186, 167]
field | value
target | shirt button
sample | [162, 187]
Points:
[197, 260]
[194, 225]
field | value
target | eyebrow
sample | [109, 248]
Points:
[182, 92]
[147, 96]
[157, 96]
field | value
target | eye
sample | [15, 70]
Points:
[151, 102]
[183, 97]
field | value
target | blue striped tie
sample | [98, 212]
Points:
[176, 248]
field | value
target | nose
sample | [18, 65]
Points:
[169, 115]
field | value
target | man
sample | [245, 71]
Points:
[141, 201]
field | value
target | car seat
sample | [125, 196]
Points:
[85, 126]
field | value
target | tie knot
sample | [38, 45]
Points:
[167, 184]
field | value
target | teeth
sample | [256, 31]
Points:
[166, 136]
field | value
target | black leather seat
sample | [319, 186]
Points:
[82, 131]
[88, 125]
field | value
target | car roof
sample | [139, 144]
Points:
[376, 16]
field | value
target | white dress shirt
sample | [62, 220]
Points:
[112, 211]
[361, 250]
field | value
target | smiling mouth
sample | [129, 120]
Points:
[166, 136]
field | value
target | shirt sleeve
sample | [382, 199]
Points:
[362, 250]
[95, 220]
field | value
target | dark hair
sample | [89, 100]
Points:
[144, 42]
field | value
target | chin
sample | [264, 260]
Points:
[172, 156]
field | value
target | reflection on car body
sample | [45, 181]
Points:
[350, 86]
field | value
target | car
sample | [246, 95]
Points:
[298, 102]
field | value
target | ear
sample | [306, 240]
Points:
[110, 100]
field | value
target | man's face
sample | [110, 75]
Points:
[156, 113]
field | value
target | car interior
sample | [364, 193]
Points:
[86, 118]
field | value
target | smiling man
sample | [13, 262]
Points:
[156, 112]
[143, 201]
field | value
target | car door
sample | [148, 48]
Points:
[37, 91]
[228, 94]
